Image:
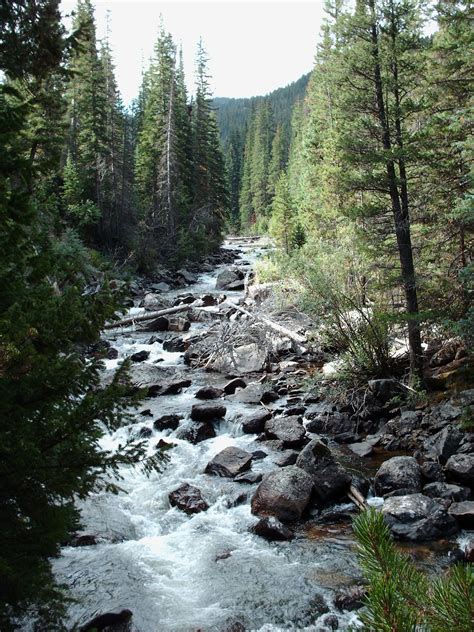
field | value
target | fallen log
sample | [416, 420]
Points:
[148, 316]
[287, 333]
[357, 498]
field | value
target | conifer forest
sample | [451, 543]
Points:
[236, 334]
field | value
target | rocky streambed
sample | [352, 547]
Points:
[247, 527]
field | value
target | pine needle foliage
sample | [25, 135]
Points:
[402, 598]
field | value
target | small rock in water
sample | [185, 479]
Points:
[350, 598]
[209, 392]
[463, 512]
[140, 356]
[208, 412]
[255, 423]
[174, 345]
[271, 528]
[112, 621]
[446, 491]
[188, 498]
[167, 422]
[331, 622]
[84, 540]
[257, 455]
[362, 448]
[287, 429]
[329, 478]
[229, 462]
[233, 385]
[249, 477]
[287, 457]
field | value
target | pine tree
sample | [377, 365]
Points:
[277, 160]
[283, 223]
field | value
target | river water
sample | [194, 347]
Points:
[180, 573]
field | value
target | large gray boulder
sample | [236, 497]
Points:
[446, 491]
[230, 462]
[444, 443]
[230, 279]
[398, 473]
[255, 423]
[460, 469]
[289, 430]
[330, 479]
[196, 432]
[463, 512]
[152, 380]
[244, 359]
[272, 529]
[416, 517]
[284, 494]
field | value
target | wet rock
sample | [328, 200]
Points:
[158, 324]
[443, 444]
[223, 556]
[287, 457]
[432, 471]
[272, 529]
[255, 423]
[233, 385]
[284, 494]
[287, 429]
[153, 339]
[175, 345]
[87, 539]
[197, 432]
[208, 412]
[350, 598]
[172, 387]
[163, 445]
[460, 469]
[177, 323]
[189, 277]
[330, 479]
[446, 491]
[188, 498]
[146, 413]
[153, 380]
[252, 394]
[167, 422]
[230, 279]
[362, 448]
[331, 622]
[258, 455]
[229, 462]
[318, 605]
[250, 478]
[234, 626]
[244, 359]
[145, 432]
[463, 512]
[399, 472]
[117, 621]
[209, 392]
[417, 517]
[295, 411]
[160, 287]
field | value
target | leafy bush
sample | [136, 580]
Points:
[400, 597]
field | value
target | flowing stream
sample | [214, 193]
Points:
[206, 571]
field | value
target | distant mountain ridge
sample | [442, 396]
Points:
[234, 114]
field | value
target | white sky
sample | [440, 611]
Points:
[253, 47]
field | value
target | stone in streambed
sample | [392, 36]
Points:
[463, 512]
[140, 356]
[229, 463]
[208, 412]
[284, 494]
[446, 491]
[255, 423]
[417, 518]
[272, 529]
[287, 429]
[399, 472]
[460, 469]
[197, 432]
[188, 498]
[175, 345]
[329, 478]
[249, 477]
[167, 422]
[118, 621]
[209, 392]
[233, 385]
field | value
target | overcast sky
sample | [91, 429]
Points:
[253, 47]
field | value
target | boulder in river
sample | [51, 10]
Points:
[230, 279]
[330, 479]
[284, 494]
[167, 422]
[443, 444]
[209, 392]
[140, 356]
[152, 379]
[446, 491]
[197, 432]
[249, 477]
[116, 621]
[233, 385]
[463, 512]
[243, 359]
[398, 473]
[188, 498]
[417, 517]
[253, 394]
[208, 412]
[175, 345]
[229, 462]
[289, 430]
[255, 423]
[272, 529]
[460, 468]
